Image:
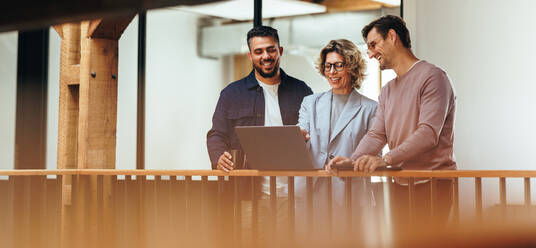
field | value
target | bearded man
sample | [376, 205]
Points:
[266, 97]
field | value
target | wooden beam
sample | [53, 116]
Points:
[350, 5]
[109, 28]
[28, 14]
[59, 30]
[93, 24]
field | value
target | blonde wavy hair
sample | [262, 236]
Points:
[353, 60]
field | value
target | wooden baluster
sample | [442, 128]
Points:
[291, 211]
[204, 212]
[348, 204]
[159, 213]
[36, 205]
[388, 194]
[53, 211]
[175, 210]
[21, 211]
[456, 201]
[273, 211]
[330, 209]
[92, 210]
[526, 182]
[309, 185]
[187, 207]
[67, 231]
[8, 232]
[502, 193]
[141, 225]
[99, 211]
[131, 204]
[433, 197]
[82, 208]
[118, 211]
[478, 197]
[109, 220]
[411, 198]
[502, 190]
[221, 227]
[254, 210]
[127, 240]
[237, 211]
[164, 210]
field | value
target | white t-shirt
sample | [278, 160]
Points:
[272, 117]
[272, 113]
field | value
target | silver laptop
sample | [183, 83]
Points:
[275, 148]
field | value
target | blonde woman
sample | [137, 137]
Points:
[335, 121]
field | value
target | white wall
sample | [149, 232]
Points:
[182, 91]
[127, 98]
[487, 48]
[53, 101]
[8, 96]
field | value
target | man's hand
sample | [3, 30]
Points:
[367, 163]
[337, 160]
[305, 135]
[225, 163]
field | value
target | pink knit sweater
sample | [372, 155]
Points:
[415, 117]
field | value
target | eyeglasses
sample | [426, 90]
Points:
[339, 66]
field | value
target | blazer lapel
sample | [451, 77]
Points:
[323, 111]
[348, 113]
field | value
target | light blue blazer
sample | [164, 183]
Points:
[353, 123]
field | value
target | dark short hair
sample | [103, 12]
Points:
[386, 23]
[352, 59]
[262, 31]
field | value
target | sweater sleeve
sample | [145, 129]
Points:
[375, 139]
[435, 102]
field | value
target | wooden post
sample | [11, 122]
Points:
[87, 110]
[88, 93]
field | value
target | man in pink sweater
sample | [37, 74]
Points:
[414, 117]
[415, 114]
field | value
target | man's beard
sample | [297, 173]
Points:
[267, 75]
[385, 65]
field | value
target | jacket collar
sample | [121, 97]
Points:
[350, 110]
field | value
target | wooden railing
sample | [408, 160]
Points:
[158, 208]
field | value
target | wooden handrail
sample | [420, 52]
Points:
[317, 173]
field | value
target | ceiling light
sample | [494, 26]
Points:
[242, 10]
[389, 2]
